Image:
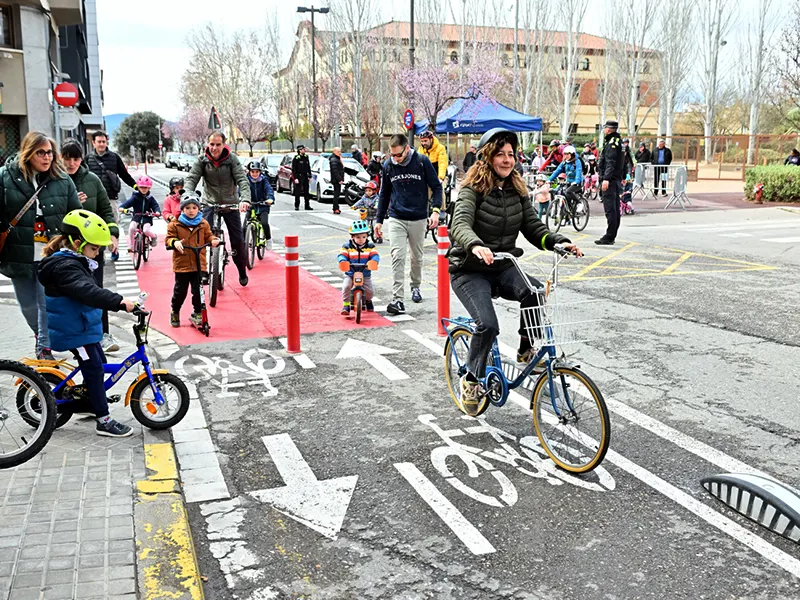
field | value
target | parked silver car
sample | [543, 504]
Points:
[321, 185]
[186, 161]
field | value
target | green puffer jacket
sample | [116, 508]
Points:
[494, 220]
[221, 178]
[96, 197]
[57, 198]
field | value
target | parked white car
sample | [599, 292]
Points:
[186, 161]
[321, 185]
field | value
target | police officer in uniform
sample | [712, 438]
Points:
[611, 173]
[301, 174]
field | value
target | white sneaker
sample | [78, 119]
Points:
[109, 343]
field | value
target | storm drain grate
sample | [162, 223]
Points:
[769, 503]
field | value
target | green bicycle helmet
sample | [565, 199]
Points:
[87, 226]
[359, 227]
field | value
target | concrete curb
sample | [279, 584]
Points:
[166, 559]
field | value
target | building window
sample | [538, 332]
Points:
[646, 67]
[396, 55]
[454, 58]
[521, 62]
[573, 128]
[585, 64]
[504, 60]
[576, 91]
[6, 38]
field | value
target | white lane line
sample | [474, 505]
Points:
[6, 288]
[300, 359]
[331, 279]
[335, 219]
[313, 268]
[399, 318]
[735, 235]
[725, 226]
[428, 343]
[313, 226]
[786, 240]
[446, 510]
[709, 515]
[323, 274]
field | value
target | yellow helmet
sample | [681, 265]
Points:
[87, 226]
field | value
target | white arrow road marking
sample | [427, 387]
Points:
[321, 505]
[373, 354]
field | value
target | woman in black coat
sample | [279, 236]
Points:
[37, 165]
[643, 155]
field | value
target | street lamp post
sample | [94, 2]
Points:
[312, 10]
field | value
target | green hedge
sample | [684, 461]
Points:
[781, 184]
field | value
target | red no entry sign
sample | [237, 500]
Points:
[66, 94]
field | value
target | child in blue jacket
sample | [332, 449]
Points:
[75, 305]
[141, 202]
[261, 191]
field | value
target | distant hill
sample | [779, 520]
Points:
[112, 123]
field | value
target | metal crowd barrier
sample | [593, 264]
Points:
[650, 179]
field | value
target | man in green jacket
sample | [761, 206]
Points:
[92, 194]
[222, 173]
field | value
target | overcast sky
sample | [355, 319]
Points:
[143, 50]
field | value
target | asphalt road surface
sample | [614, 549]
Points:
[348, 472]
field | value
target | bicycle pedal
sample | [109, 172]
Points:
[114, 398]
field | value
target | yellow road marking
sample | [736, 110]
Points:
[603, 260]
[164, 542]
[671, 269]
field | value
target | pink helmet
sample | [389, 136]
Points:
[144, 181]
[371, 185]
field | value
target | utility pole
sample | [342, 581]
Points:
[411, 62]
[312, 10]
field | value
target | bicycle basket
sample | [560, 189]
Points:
[558, 321]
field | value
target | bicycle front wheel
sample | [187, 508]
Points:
[552, 219]
[145, 248]
[250, 245]
[580, 218]
[357, 300]
[21, 386]
[456, 351]
[137, 252]
[573, 424]
[213, 276]
[171, 412]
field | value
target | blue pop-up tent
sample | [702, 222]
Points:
[478, 115]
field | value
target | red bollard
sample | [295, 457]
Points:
[291, 244]
[443, 279]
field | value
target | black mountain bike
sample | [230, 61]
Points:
[219, 257]
[563, 209]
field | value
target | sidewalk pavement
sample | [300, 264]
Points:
[92, 517]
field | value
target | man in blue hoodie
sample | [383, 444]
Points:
[407, 177]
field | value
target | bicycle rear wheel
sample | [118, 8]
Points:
[250, 245]
[137, 252]
[18, 443]
[456, 351]
[573, 427]
[213, 276]
[580, 218]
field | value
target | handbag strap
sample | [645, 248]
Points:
[27, 206]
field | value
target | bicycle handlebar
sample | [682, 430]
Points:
[559, 250]
[139, 214]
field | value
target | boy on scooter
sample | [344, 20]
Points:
[191, 229]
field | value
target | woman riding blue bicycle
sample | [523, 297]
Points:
[75, 305]
[493, 208]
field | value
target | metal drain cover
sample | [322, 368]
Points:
[765, 501]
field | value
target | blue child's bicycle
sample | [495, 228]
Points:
[158, 399]
[569, 414]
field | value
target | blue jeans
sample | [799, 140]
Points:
[91, 362]
[542, 208]
[30, 295]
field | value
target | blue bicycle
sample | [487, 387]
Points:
[158, 399]
[569, 414]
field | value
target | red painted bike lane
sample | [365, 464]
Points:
[255, 311]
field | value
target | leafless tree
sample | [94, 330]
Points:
[537, 21]
[675, 42]
[716, 20]
[572, 13]
[350, 21]
[787, 97]
[638, 18]
[757, 54]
